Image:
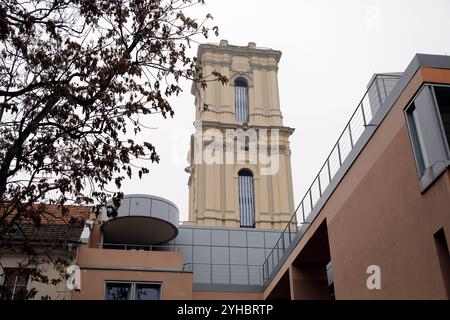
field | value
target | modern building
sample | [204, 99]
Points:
[144, 252]
[374, 223]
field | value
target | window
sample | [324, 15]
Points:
[241, 99]
[418, 140]
[14, 284]
[428, 119]
[443, 101]
[132, 291]
[246, 198]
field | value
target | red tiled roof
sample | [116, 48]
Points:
[55, 214]
[45, 233]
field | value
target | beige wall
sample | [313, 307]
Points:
[378, 216]
[55, 292]
[213, 188]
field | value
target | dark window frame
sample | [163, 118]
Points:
[427, 175]
[133, 286]
[14, 293]
[245, 172]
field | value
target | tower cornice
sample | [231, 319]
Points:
[234, 50]
[229, 125]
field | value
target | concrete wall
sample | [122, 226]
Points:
[174, 285]
[113, 257]
[101, 265]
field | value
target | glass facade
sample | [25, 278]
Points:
[132, 291]
[429, 127]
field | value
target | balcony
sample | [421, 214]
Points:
[141, 220]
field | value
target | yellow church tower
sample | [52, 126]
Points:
[239, 159]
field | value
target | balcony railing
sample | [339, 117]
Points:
[222, 273]
[140, 247]
[377, 92]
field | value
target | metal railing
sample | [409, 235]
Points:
[377, 92]
[139, 247]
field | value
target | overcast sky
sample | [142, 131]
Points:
[330, 51]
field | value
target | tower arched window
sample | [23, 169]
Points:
[241, 99]
[246, 198]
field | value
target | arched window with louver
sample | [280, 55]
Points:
[246, 198]
[241, 99]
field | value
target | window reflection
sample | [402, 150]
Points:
[147, 292]
[132, 291]
[118, 291]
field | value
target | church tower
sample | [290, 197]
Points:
[239, 159]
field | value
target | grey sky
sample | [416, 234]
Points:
[330, 51]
